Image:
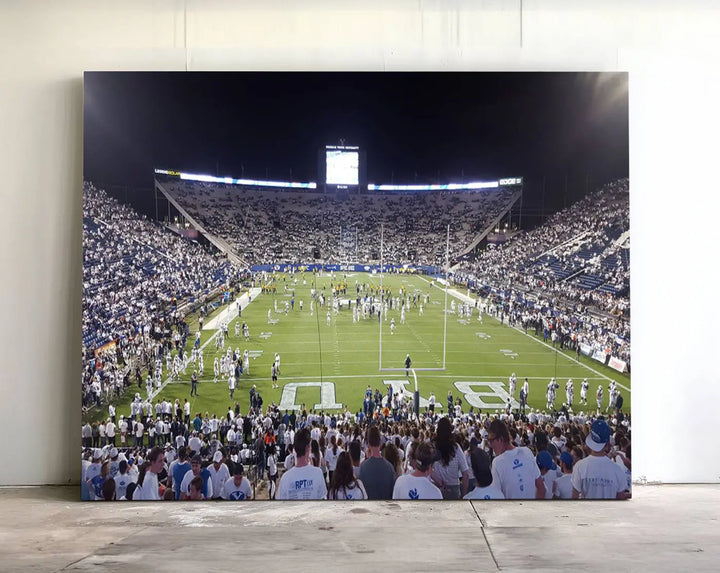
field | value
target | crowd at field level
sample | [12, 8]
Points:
[309, 455]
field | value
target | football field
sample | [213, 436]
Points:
[328, 363]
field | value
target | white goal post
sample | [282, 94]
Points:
[442, 368]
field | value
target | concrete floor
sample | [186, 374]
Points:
[663, 528]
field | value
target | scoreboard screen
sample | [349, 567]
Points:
[342, 165]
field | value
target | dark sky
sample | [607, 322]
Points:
[413, 126]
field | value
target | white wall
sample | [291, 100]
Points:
[667, 47]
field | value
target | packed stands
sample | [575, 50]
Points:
[279, 226]
[576, 266]
[135, 275]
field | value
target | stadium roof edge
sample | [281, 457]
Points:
[233, 181]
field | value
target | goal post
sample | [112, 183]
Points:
[441, 368]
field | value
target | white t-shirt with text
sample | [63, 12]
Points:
[515, 471]
[305, 482]
[415, 487]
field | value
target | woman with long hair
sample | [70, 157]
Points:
[138, 494]
[315, 453]
[344, 484]
[450, 464]
[316, 457]
[391, 454]
[272, 470]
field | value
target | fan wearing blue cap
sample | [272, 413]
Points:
[597, 476]
[548, 471]
[564, 482]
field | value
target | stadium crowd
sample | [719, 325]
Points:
[136, 277]
[534, 279]
[286, 225]
[387, 455]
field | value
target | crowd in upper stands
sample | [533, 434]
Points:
[277, 226]
[136, 274]
[588, 238]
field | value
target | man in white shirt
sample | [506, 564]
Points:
[417, 485]
[231, 385]
[110, 432]
[569, 390]
[122, 480]
[289, 458]
[138, 431]
[150, 486]
[196, 470]
[597, 476]
[514, 469]
[315, 432]
[563, 489]
[548, 471]
[195, 443]
[237, 488]
[219, 473]
[304, 481]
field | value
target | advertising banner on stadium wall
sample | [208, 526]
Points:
[617, 364]
[599, 355]
[586, 349]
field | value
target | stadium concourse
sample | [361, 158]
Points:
[565, 281]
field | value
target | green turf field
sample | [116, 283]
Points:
[347, 357]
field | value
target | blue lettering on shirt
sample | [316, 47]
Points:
[303, 484]
[97, 483]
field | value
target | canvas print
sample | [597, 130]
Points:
[357, 286]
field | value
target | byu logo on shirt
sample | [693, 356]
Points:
[237, 496]
[413, 494]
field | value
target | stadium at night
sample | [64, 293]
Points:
[266, 252]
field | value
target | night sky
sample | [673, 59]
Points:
[414, 127]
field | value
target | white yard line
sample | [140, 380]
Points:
[388, 374]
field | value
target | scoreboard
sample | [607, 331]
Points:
[342, 167]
